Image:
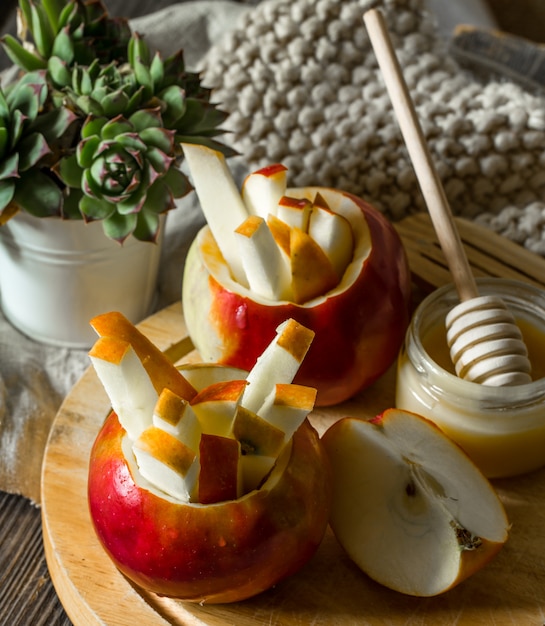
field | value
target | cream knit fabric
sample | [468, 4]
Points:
[303, 88]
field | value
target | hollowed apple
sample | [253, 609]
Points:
[221, 552]
[202, 509]
[359, 324]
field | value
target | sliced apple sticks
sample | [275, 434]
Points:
[216, 404]
[279, 363]
[254, 230]
[126, 382]
[333, 233]
[287, 406]
[267, 270]
[263, 189]
[236, 425]
[167, 463]
[220, 201]
[161, 371]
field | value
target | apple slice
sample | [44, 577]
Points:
[281, 234]
[162, 372]
[220, 201]
[255, 470]
[287, 406]
[333, 233]
[262, 190]
[126, 381]
[294, 212]
[175, 416]
[312, 273]
[201, 375]
[216, 405]
[260, 445]
[220, 478]
[267, 270]
[256, 435]
[409, 506]
[167, 463]
[278, 363]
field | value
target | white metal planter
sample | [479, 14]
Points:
[56, 275]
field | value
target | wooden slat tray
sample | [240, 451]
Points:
[328, 590]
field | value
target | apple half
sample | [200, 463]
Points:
[359, 323]
[409, 507]
[194, 514]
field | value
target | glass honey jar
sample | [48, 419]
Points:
[501, 428]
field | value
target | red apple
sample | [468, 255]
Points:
[206, 516]
[359, 324]
[221, 552]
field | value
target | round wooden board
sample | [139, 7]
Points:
[328, 590]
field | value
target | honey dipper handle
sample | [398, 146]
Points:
[430, 184]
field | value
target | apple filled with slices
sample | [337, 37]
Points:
[269, 253]
[206, 483]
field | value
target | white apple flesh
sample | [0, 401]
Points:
[126, 382]
[295, 212]
[216, 405]
[267, 270]
[333, 233]
[279, 363]
[261, 190]
[167, 463]
[260, 445]
[409, 507]
[220, 201]
[287, 406]
[175, 416]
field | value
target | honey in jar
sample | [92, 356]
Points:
[501, 428]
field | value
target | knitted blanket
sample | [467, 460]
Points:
[301, 82]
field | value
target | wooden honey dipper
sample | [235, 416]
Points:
[486, 345]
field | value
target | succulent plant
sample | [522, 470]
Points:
[26, 137]
[111, 116]
[75, 32]
[124, 172]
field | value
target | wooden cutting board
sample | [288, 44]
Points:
[329, 589]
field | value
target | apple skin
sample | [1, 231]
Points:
[359, 330]
[214, 553]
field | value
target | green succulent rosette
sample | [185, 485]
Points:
[27, 135]
[74, 32]
[125, 173]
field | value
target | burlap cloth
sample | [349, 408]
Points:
[302, 86]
